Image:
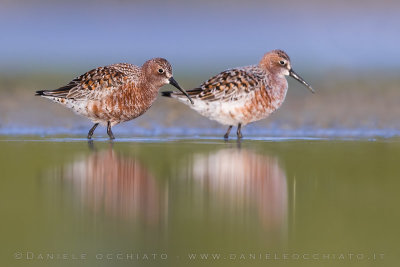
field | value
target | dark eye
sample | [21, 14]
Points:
[282, 62]
[160, 71]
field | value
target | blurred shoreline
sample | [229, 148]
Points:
[344, 106]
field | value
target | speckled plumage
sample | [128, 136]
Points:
[243, 95]
[116, 93]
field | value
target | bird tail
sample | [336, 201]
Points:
[192, 93]
[61, 92]
[167, 93]
[41, 92]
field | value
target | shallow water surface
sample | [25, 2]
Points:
[175, 202]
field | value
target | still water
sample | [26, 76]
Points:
[165, 202]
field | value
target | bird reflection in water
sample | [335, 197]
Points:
[239, 181]
[118, 185]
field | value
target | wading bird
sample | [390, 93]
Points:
[243, 95]
[116, 93]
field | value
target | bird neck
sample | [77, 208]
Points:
[150, 92]
[278, 88]
[142, 92]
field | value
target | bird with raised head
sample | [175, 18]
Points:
[239, 96]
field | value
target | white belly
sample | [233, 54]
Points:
[80, 107]
[226, 113]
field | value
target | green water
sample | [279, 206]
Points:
[260, 203]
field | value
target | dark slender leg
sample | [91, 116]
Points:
[91, 131]
[109, 132]
[239, 131]
[226, 136]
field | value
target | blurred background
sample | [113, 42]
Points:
[347, 50]
[186, 195]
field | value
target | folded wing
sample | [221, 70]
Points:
[230, 85]
[94, 84]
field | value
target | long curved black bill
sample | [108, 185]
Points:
[297, 77]
[174, 83]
